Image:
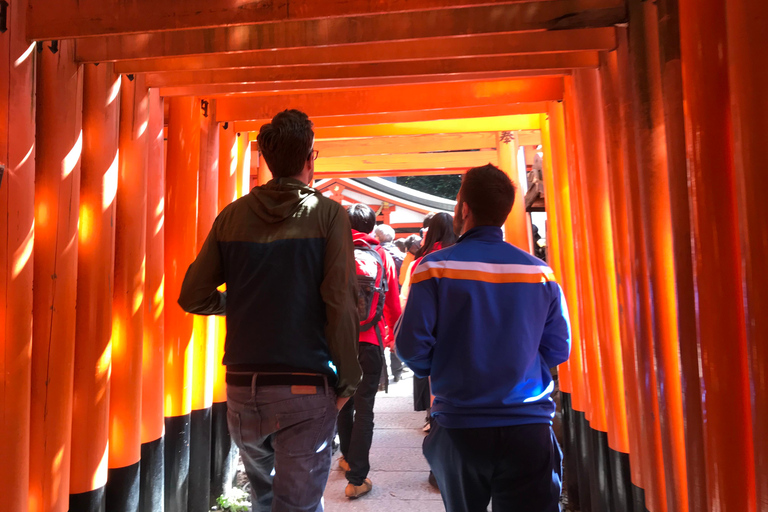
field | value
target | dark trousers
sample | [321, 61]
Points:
[518, 467]
[355, 421]
[395, 364]
[284, 434]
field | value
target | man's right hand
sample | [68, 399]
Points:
[340, 402]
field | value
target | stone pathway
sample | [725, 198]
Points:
[398, 469]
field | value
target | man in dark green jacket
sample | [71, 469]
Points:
[285, 253]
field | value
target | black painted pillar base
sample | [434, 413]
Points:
[638, 499]
[122, 490]
[224, 453]
[600, 477]
[584, 452]
[91, 501]
[151, 479]
[571, 453]
[200, 461]
[621, 481]
[177, 433]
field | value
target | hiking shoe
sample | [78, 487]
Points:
[355, 491]
[343, 464]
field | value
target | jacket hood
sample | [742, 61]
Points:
[363, 237]
[279, 199]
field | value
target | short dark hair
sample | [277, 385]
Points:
[489, 193]
[286, 143]
[361, 217]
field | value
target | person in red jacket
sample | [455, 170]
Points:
[355, 421]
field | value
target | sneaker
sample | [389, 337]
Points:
[343, 464]
[355, 491]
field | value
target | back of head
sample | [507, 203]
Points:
[286, 143]
[384, 233]
[489, 193]
[361, 217]
[440, 231]
[427, 219]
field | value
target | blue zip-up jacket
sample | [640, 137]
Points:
[486, 321]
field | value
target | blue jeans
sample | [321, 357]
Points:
[284, 434]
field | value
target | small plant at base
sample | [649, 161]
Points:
[235, 501]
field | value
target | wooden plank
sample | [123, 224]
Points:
[446, 160]
[483, 19]
[404, 144]
[454, 66]
[388, 99]
[509, 43]
[387, 174]
[65, 19]
[529, 138]
[346, 83]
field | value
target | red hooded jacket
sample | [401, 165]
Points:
[392, 299]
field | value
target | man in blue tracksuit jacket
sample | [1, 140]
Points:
[486, 322]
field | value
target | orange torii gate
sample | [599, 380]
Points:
[651, 117]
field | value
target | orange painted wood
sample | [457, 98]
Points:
[400, 144]
[152, 422]
[207, 209]
[672, 97]
[561, 184]
[482, 19]
[388, 99]
[407, 172]
[242, 169]
[17, 123]
[726, 394]
[130, 276]
[516, 227]
[449, 120]
[57, 204]
[441, 66]
[746, 63]
[405, 161]
[180, 244]
[95, 271]
[509, 43]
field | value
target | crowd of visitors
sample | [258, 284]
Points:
[316, 295]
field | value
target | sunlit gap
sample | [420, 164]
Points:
[110, 183]
[158, 300]
[27, 156]
[70, 161]
[522, 175]
[22, 255]
[160, 214]
[85, 223]
[24, 56]
[142, 129]
[138, 296]
[233, 159]
[114, 91]
[100, 475]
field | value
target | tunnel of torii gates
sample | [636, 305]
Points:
[652, 117]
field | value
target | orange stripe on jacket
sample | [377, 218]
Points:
[474, 275]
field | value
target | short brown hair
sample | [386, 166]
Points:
[286, 143]
[489, 193]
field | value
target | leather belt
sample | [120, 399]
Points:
[275, 379]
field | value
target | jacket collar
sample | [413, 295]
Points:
[484, 233]
[357, 236]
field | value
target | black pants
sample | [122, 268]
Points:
[395, 364]
[519, 467]
[356, 417]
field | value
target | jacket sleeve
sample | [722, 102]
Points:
[339, 292]
[198, 291]
[392, 309]
[415, 333]
[555, 345]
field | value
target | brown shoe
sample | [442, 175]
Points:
[355, 491]
[343, 464]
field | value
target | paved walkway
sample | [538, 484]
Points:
[398, 469]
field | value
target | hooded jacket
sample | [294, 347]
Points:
[285, 254]
[391, 299]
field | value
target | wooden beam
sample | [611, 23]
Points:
[296, 86]
[509, 43]
[387, 174]
[388, 99]
[66, 19]
[448, 160]
[459, 65]
[529, 137]
[402, 144]
[482, 19]
[437, 115]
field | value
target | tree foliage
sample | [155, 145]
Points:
[442, 186]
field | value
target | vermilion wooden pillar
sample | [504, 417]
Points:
[180, 232]
[93, 340]
[655, 205]
[621, 162]
[516, 226]
[17, 238]
[57, 203]
[748, 66]
[729, 449]
[204, 326]
[129, 299]
[264, 173]
[152, 424]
